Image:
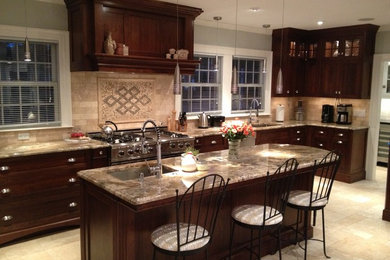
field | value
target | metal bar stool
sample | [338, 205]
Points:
[317, 198]
[268, 215]
[196, 215]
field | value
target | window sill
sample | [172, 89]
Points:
[229, 116]
[35, 129]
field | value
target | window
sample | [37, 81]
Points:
[202, 91]
[29, 92]
[251, 82]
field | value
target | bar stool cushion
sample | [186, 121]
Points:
[253, 215]
[165, 237]
[302, 198]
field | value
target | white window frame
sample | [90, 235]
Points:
[61, 38]
[227, 54]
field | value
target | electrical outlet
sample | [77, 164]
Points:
[359, 112]
[23, 136]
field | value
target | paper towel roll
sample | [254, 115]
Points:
[280, 113]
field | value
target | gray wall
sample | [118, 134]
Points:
[208, 35]
[382, 44]
[39, 14]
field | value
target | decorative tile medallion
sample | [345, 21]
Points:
[125, 100]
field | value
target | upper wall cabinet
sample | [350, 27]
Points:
[335, 62]
[149, 28]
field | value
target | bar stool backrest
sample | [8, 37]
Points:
[326, 170]
[277, 189]
[198, 208]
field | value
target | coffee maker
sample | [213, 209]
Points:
[344, 114]
[327, 114]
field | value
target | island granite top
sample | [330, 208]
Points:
[254, 163]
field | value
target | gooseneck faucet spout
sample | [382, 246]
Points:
[257, 106]
[157, 169]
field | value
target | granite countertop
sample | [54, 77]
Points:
[254, 163]
[48, 147]
[198, 132]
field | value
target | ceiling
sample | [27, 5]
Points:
[302, 14]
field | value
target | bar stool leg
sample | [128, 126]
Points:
[323, 233]
[279, 244]
[231, 241]
[305, 231]
[296, 227]
[250, 245]
[154, 253]
[314, 217]
[260, 243]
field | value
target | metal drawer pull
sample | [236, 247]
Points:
[298, 139]
[7, 218]
[288, 91]
[71, 160]
[320, 145]
[100, 152]
[321, 132]
[213, 142]
[72, 180]
[298, 132]
[197, 141]
[340, 142]
[4, 168]
[72, 205]
[5, 190]
[340, 134]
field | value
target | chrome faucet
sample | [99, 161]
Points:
[157, 170]
[257, 106]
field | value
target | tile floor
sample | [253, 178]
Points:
[355, 230]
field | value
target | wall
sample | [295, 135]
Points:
[382, 44]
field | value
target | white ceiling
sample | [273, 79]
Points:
[297, 13]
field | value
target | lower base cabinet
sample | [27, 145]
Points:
[351, 144]
[42, 192]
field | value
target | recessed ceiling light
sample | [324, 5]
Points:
[320, 23]
[255, 9]
[366, 19]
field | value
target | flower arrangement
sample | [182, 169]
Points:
[236, 130]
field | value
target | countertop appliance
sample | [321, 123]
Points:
[203, 120]
[299, 112]
[384, 142]
[344, 114]
[126, 144]
[327, 114]
[216, 121]
[279, 113]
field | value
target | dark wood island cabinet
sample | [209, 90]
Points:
[118, 216]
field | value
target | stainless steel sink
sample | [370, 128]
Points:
[134, 172]
[264, 124]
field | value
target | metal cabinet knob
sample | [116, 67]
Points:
[6, 218]
[339, 142]
[298, 132]
[298, 139]
[288, 91]
[340, 134]
[321, 132]
[72, 180]
[72, 160]
[101, 152]
[5, 190]
[296, 91]
[197, 141]
[320, 145]
[213, 142]
[72, 205]
[4, 168]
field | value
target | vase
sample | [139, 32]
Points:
[234, 148]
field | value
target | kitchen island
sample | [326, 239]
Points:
[118, 213]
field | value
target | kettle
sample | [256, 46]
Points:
[107, 130]
[203, 121]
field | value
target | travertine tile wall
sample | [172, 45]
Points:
[313, 108]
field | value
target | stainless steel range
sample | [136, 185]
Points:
[126, 145]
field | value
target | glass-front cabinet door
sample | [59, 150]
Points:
[342, 48]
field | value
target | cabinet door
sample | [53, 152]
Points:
[312, 79]
[330, 78]
[273, 136]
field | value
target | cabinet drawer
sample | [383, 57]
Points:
[38, 180]
[210, 143]
[39, 209]
[298, 135]
[274, 136]
[322, 133]
[341, 135]
[42, 161]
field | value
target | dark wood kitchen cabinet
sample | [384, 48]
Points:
[211, 143]
[350, 144]
[334, 62]
[41, 192]
[148, 27]
[287, 135]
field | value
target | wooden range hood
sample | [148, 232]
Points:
[148, 27]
